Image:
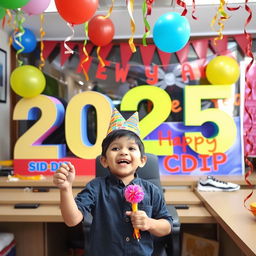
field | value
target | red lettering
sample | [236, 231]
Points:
[217, 159]
[160, 137]
[152, 77]
[185, 158]
[100, 71]
[121, 73]
[186, 70]
[204, 159]
[167, 166]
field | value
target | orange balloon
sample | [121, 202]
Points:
[101, 30]
[76, 11]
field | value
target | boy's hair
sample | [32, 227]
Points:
[118, 134]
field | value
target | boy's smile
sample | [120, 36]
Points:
[123, 157]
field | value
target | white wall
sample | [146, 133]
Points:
[5, 107]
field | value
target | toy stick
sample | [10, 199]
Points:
[134, 194]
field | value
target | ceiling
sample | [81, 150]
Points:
[57, 29]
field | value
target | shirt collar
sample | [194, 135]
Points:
[115, 181]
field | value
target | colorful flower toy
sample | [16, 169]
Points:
[134, 194]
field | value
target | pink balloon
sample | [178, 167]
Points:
[34, 7]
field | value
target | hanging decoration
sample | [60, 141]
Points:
[220, 17]
[222, 70]
[75, 12]
[17, 35]
[171, 32]
[130, 7]
[35, 7]
[27, 81]
[42, 34]
[146, 11]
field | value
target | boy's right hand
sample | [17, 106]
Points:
[64, 176]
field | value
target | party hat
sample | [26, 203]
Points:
[118, 122]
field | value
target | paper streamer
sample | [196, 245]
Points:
[220, 16]
[42, 34]
[249, 86]
[18, 33]
[69, 38]
[130, 5]
[193, 10]
[86, 58]
[183, 5]
[146, 24]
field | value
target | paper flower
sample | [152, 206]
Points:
[134, 194]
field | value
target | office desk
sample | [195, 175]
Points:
[50, 200]
[228, 210]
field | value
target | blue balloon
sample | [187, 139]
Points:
[27, 40]
[171, 32]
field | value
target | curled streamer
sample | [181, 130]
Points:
[18, 33]
[42, 34]
[194, 10]
[86, 58]
[100, 59]
[130, 5]
[69, 38]
[146, 24]
[249, 86]
[183, 5]
[220, 16]
[149, 6]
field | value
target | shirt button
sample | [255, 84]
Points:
[127, 219]
[127, 239]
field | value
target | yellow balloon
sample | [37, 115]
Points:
[27, 81]
[222, 70]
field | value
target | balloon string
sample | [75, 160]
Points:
[194, 10]
[68, 49]
[100, 59]
[42, 34]
[147, 26]
[86, 58]
[222, 16]
[110, 10]
[18, 35]
[248, 96]
[10, 24]
[130, 5]
[182, 4]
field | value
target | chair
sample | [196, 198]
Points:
[170, 244]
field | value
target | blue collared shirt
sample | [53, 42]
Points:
[111, 231]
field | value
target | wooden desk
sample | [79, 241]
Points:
[166, 181]
[50, 200]
[237, 221]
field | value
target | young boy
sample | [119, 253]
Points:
[113, 221]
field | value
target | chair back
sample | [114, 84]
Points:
[150, 171]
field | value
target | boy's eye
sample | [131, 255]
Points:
[132, 148]
[115, 149]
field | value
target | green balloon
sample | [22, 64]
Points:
[2, 12]
[13, 4]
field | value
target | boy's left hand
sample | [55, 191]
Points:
[139, 220]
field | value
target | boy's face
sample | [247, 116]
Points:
[123, 157]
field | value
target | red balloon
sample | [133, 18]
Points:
[101, 30]
[76, 11]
